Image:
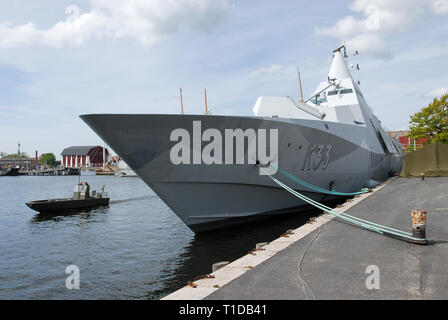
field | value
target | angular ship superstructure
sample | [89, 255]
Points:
[207, 168]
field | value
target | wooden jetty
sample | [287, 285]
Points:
[50, 172]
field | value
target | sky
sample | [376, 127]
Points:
[60, 59]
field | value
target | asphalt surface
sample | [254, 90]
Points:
[336, 260]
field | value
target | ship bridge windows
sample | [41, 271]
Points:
[319, 98]
[342, 91]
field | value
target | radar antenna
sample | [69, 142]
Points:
[339, 50]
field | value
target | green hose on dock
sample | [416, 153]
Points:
[341, 215]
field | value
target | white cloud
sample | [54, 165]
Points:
[440, 7]
[143, 20]
[372, 43]
[379, 18]
[436, 93]
[275, 69]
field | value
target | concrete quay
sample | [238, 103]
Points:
[330, 259]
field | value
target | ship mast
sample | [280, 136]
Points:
[300, 85]
[181, 102]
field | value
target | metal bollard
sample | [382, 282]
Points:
[422, 176]
[219, 265]
[419, 223]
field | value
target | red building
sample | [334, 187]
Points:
[407, 142]
[410, 144]
[84, 156]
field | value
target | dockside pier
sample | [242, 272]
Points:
[50, 172]
[329, 259]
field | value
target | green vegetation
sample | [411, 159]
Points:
[48, 159]
[431, 122]
[410, 148]
[15, 155]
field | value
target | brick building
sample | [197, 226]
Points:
[84, 156]
[406, 142]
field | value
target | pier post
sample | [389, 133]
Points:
[219, 265]
[418, 223]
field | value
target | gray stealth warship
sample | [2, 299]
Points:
[332, 141]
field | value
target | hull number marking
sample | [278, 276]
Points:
[317, 157]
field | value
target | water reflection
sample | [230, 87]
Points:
[85, 213]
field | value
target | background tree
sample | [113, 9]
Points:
[48, 159]
[431, 122]
[15, 155]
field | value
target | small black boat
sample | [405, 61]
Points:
[81, 199]
[68, 204]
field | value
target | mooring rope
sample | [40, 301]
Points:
[316, 188]
[343, 216]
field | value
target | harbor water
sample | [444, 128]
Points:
[136, 248]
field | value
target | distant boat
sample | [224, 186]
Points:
[11, 171]
[124, 170]
[105, 171]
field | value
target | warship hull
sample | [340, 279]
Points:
[330, 155]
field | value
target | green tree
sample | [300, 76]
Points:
[15, 155]
[431, 122]
[48, 159]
